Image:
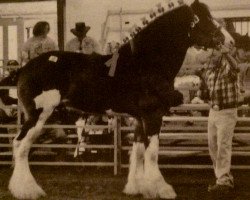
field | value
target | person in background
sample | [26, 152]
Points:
[242, 55]
[8, 96]
[82, 43]
[39, 43]
[221, 79]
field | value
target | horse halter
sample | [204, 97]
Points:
[212, 33]
[196, 21]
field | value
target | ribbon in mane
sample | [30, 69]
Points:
[112, 63]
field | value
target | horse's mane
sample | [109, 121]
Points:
[151, 22]
[201, 9]
[161, 45]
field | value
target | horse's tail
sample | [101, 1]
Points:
[10, 80]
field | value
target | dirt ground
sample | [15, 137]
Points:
[75, 183]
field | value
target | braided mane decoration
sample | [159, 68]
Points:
[154, 14]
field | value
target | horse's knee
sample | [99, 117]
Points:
[153, 146]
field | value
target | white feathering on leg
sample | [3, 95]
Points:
[131, 188]
[154, 183]
[139, 175]
[22, 184]
[135, 176]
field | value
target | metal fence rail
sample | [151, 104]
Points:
[168, 133]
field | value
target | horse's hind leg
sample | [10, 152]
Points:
[136, 168]
[154, 183]
[22, 184]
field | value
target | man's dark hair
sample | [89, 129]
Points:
[39, 28]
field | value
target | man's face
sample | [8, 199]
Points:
[210, 56]
[215, 56]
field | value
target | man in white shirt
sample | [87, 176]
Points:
[82, 43]
[39, 43]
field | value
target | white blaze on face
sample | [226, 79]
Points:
[229, 41]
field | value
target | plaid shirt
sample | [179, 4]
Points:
[222, 84]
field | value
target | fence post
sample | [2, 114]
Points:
[117, 146]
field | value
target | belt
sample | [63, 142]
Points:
[217, 107]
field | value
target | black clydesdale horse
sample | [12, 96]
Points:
[139, 82]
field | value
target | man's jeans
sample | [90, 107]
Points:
[221, 126]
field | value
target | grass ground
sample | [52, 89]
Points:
[75, 183]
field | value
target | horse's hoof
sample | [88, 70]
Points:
[131, 189]
[158, 189]
[167, 192]
[22, 188]
[149, 190]
[34, 193]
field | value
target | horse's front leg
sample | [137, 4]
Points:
[154, 183]
[136, 167]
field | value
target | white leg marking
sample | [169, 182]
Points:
[48, 99]
[154, 184]
[80, 122]
[136, 170]
[22, 184]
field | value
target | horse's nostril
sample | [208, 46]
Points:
[231, 42]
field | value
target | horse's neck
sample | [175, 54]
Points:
[167, 59]
[166, 38]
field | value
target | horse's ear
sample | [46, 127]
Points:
[195, 2]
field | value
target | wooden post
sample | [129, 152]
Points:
[61, 12]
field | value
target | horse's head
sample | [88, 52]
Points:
[205, 31]
[242, 46]
[241, 41]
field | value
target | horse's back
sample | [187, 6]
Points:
[80, 78]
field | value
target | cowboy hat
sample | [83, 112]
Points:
[80, 29]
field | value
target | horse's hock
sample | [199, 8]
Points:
[183, 139]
